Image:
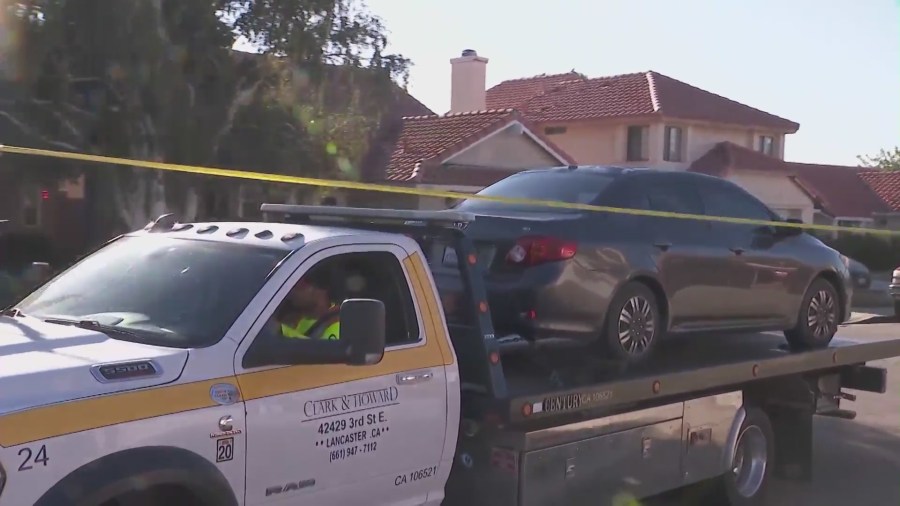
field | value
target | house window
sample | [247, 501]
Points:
[766, 145]
[555, 130]
[638, 143]
[674, 144]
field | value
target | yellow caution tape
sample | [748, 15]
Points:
[421, 192]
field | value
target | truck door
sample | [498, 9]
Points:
[340, 434]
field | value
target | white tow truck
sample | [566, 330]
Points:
[151, 373]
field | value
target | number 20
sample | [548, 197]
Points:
[39, 458]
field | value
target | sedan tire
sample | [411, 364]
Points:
[897, 310]
[633, 324]
[818, 319]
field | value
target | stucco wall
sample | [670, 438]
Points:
[777, 191]
[605, 143]
[508, 149]
[592, 143]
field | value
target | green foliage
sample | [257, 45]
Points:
[158, 80]
[875, 252]
[884, 160]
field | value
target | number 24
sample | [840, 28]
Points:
[39, 458]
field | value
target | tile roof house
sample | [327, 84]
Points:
[465, 150]
[429, 142]
[822, 194]
[886, 184]
[573, 97]
[637, 119]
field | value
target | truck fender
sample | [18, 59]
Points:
[141, 468]
[731, 443]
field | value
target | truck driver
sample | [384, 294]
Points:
[308, 312]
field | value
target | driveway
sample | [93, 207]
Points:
[856, 462]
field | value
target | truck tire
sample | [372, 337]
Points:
[633, 324]
[897, 310]
[747, 481]
[819, 317]
[144, 476]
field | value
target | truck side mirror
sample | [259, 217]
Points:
[363, 329]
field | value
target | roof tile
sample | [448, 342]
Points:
[516, 92]
[426, 137]
[842, 190]
[571, 96]
[604, 97]
[886, 184]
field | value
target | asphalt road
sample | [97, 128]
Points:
[856, 462]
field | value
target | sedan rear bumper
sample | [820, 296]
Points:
[556, 300]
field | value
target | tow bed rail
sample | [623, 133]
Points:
[693, 377]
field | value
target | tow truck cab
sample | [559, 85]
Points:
[409, 407]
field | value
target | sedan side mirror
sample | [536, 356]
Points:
[363, 329]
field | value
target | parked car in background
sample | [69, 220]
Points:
[859, 273]
[625, 281]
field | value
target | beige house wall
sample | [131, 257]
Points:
[511, 148]
[605, 142]
[778, 192]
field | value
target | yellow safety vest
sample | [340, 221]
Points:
[328, 331]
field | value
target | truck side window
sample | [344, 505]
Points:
[310, 309]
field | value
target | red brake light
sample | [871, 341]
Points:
[534, 250]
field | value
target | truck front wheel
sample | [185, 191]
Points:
[747, 480]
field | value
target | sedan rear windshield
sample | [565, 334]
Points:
[159, 290]
[558, 186]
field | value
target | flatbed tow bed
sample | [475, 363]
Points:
[556, 427]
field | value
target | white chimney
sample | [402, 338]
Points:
[468, 77]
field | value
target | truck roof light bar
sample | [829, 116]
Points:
[304, 213]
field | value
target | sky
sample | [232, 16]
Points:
[831, 65]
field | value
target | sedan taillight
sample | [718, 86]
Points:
[534, 250]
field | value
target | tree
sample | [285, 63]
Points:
[884, 160]
[158, 80]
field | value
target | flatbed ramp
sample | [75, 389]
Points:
[692, 365]
[575, 431]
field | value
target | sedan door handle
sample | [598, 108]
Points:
[737, 250]
[664, 246]
[411, 378]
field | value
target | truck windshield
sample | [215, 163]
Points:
[558, 186]
[158, 290]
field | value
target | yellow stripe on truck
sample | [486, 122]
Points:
[113, 409]
[103, 411]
